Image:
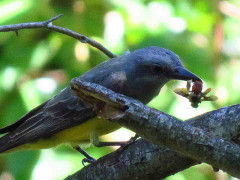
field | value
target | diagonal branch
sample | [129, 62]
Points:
[161, 129]
[144, 160]
[48, 25]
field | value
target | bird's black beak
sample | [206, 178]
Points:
[183, 74]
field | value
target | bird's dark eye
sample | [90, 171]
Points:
[158, 69]
[175, 70]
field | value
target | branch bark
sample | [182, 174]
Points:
[143, 159]
[48, 25]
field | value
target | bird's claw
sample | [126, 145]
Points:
[88, 160]
[131, 140]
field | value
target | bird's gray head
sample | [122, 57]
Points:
[148, 69]
[161, 62]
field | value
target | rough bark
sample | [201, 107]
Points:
[143, 159]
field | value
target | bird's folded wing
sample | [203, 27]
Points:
[22, 119]
[63, 111]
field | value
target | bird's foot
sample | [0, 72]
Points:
[88, 160]
[128, 143]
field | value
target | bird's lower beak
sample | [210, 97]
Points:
[183, 74]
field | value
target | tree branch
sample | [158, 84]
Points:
[48, 25]
[145, 160]
[161, 129]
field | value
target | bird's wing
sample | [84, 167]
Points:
[22, 119]
[63, 111]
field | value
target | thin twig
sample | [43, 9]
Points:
[48, 25]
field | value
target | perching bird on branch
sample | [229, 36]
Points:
[66, 119]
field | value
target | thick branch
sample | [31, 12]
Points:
[144, 160]
[48, 25]
[163, 129]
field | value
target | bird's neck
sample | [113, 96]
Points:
[144, 90]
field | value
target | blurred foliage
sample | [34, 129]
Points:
[38, 63]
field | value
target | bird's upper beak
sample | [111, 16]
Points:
[183, 74]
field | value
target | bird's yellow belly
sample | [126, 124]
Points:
[75, 136]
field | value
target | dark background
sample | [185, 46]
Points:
[39, 63]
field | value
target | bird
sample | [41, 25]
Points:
[66, 119]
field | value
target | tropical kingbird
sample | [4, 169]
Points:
[65, 118]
